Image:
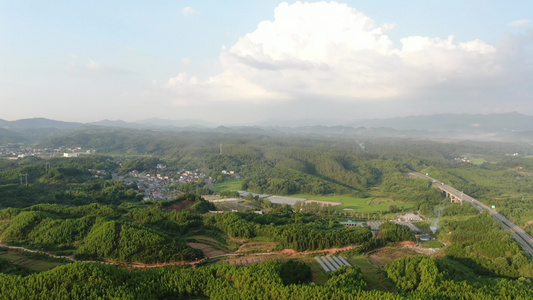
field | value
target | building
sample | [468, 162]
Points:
[349, 223]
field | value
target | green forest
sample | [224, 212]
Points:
[83, 214]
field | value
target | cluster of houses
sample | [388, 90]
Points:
[462, 159]
[156, 185]
[16, 153]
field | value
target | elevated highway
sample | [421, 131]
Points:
[518, 233]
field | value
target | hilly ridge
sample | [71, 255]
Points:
[506, 127]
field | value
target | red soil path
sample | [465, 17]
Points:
[331, 250]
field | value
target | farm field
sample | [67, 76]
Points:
[240, 206]
[359, 204]
[432, 244]
[253, 259]
[476, 159]
[371, 274]
[31, 263]
[385, 255]
[227, 185]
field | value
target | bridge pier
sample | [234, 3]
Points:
[453, 198]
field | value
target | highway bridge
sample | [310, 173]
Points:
[518, 233]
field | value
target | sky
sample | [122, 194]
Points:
[263, 61]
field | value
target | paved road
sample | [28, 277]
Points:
[518, 233]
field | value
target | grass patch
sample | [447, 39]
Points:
[319, 275]
[363, 205]
[370, 272]
[30, 263]
[432, 244]
[42, 266]
[380, 257]
[227, 185]
[477, 161]
[231, 206]
[257, 247]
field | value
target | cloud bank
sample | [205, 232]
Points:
[329, 52]
[520, 23]
[188, 11]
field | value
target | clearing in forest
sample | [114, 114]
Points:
[209, 251]
[30, 263]
[372, 275]
[387, 254]
[256, 247]
[362, 205]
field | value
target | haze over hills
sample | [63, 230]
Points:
[154, 123]
[442, 122]
[509, 127]
[454, 122]
[38, 123]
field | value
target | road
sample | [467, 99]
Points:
[105, 262]
[518, 233]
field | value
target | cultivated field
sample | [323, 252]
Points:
[31, 263]
[233, 206]
[209, 251]
[373, 275]
[385, 255]
[258, 246]
[363, 205]
[227, 185]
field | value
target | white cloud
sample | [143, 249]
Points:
[187, 11]
[519, 23]
[94, 66]
[181, 79]
[330, 51]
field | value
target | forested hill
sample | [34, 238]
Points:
[89, 208]
[29, 131]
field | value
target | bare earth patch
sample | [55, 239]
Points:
[387, 254]
[178, 205]
[284, 254]
[252, 259]
[257, 247]
[209, 251]
[240, 241]
[330, 250]
[332, 203]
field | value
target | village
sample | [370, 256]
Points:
[15, 152]
[157, 185]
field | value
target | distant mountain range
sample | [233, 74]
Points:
[155, 123]
[496, 127]
[444, 122]
[38, 123]
[454, 122]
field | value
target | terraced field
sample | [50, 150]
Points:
[24, 261]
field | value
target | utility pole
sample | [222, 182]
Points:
[25, 175]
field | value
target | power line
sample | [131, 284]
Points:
[25, 175]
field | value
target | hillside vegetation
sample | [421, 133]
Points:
[87, 210]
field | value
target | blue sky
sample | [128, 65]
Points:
[238, 62]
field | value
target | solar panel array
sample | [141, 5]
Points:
[331, 263]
